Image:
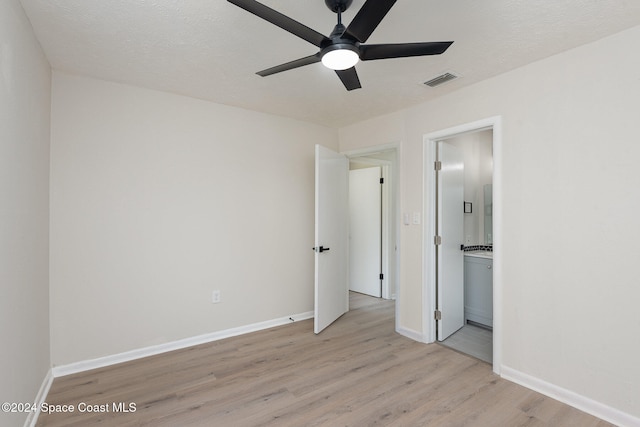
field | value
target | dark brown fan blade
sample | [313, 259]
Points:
[368, 18]
[282, 21]
[312, 59]
[349, 78]
[401, 50]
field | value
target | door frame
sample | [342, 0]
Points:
[429, 229]
[390, 215]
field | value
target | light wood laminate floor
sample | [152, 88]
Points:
[358, 372]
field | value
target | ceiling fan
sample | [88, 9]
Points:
[342, 50]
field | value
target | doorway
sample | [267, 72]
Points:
[379, 239]
[365, 229]
[471, 333]
[473, 238]
[331, 259]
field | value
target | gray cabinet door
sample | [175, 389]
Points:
[478, 290]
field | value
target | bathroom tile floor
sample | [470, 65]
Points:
[472, 340]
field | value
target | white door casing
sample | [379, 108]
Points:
[365, 231]
[450, 228]
[429, 287]
[331, 296]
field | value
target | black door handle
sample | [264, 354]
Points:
[320, 249]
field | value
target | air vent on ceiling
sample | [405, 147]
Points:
[441, 79]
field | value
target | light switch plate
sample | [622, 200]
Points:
[416, 218]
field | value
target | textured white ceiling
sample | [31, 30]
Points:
[211, 49]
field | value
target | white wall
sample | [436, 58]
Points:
[25, 86]
[570, 212]
[156, 201]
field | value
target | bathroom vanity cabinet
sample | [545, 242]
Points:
[478, 289]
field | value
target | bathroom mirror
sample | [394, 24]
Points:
[488, 214]
[477, 151]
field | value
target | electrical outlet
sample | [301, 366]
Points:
[215, 297]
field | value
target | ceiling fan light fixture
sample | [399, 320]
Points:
[340, 57]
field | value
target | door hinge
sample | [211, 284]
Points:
[381, 276]
[437, 165]
[437, 315]
[437, 240]
[381, 180]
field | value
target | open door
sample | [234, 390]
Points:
[331, 238]
[365, 231]
[450, 229]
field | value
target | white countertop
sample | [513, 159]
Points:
[480, 254]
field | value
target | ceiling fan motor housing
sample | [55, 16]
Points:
[338, 5]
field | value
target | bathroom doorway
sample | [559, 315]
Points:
[476, 329]
[464, 288]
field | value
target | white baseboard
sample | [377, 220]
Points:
[86, 365]
[590, 406]
[32, 419]
[410, 333]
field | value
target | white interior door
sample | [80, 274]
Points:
[365, 231]
[450, 277]
[331, 237]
